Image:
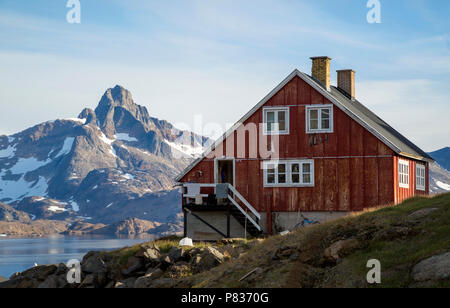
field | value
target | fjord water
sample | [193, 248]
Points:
[19, 254]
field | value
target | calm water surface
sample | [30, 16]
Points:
[19, 254]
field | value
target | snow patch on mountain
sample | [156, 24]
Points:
[189, 150]
[125, 137]
[67, 147]
[8, 152]
[25, 165]
[55, 208]
[17, 190]
[80, 121]
[128, 176]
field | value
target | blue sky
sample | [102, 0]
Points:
[216, 59]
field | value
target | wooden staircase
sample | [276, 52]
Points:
[243, 221]
[237, 206]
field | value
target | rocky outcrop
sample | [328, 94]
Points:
[432, 269]
[9, 214]
[130, 226]
[36, 228]
[147, 267]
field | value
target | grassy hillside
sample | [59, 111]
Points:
[399, 237]
[334, 254]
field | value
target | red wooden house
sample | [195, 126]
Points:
[308, 149]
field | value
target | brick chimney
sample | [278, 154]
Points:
[346, 82]
[321, 70]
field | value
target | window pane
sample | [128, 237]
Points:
[325, 124]
[314, 124]
[271, 116]
[282, 168]
[306, 168]
[271, 168]
[295, 168]
[281, 116]
[314, 114]
[271, 178]
[282, 126]
[326, 114]
[307, 178]
[296, 178]
[282, 178]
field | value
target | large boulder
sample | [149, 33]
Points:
[93, 263]
[432, 269]
[151, 254]
[209, 258]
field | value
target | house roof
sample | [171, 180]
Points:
[353, 108]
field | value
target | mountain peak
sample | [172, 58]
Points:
[117, 96]
[116, 107]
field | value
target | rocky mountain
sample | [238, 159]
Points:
[439, 171]
[104, 166]
[442, 157]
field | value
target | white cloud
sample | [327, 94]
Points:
[417, 108]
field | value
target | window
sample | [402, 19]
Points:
[319, 119]
[289, 173]
[276, 120]
[420, 177]
[403, 173]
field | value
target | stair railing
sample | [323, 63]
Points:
[254, 220]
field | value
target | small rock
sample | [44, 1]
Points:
[134, 264]
[151, 253]
[210, 258]
[125, 284]
[176, 254]
[120, 285]
[340, 249]
[393, 233]
[163, 283]
[422, 213]
[88, 282]
[283, 252]
[146, 281]
[432, 269]
[166, 261]
[154, 273]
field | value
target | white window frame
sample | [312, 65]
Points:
[276, 110]
[420, 177]
[289, 164]
[309, 130]
[403, 174]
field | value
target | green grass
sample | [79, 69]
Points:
[429, 236]
[375, 231]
